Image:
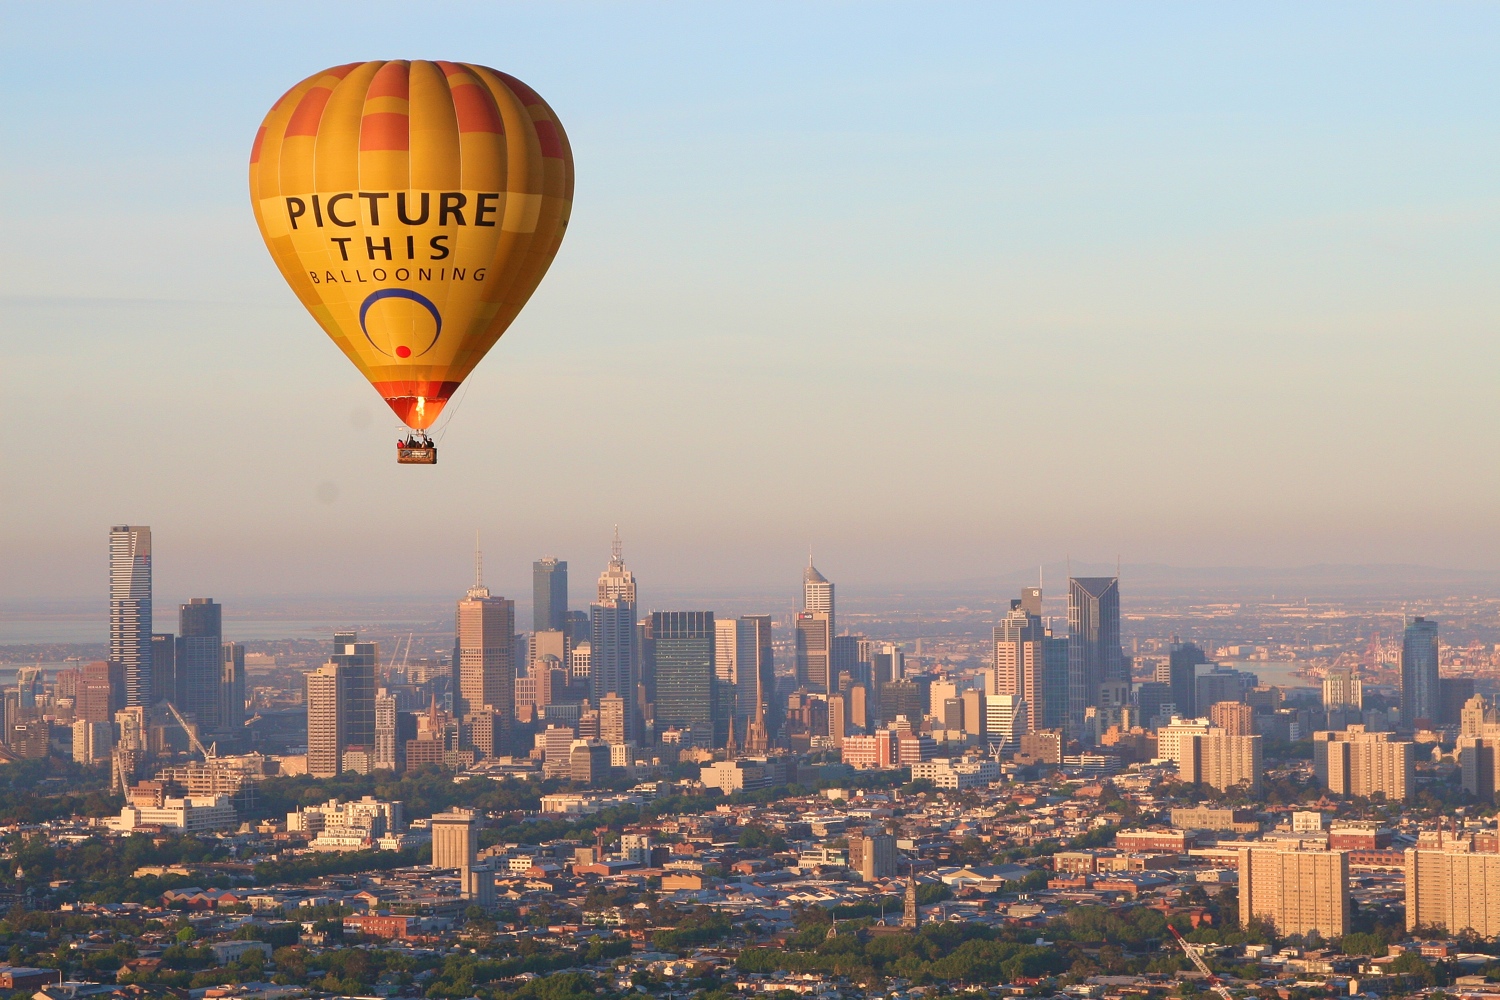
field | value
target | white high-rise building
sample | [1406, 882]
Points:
[130, 608]
[736, 663]
[1005, 719]
[486, 652]
[817, 593]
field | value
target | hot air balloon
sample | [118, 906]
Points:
[413, 207]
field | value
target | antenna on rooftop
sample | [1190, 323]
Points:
[478, 562]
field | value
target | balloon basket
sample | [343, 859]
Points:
[426, 455]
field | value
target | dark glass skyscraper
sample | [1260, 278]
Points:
[1182, 667]
[200, 663]
[130, 608]
[357, 703]
[685, 672]
[549, 595]
[1093, 642]
[1055, 682]
[1420, 696]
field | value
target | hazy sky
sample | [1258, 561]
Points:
[940, 290]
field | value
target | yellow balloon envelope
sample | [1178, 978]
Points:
[413, 207]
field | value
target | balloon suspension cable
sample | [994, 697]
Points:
[449, 414]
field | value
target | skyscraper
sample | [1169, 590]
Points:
[612, 663]
[817, 593]
[361, 662]
[764, 722]
[325, 730]
[486, 650]
[549, 595]
[1419, 674]
[200, 664]
[130, 608]
[1094, 655]
[1182, 667]
[1020, 660]
[163, 667]
[814, 636]
[685, 672]
[232, 691]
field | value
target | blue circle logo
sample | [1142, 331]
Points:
[402, 351]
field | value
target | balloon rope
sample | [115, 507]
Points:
[462, 392]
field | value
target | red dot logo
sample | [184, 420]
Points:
[403, 351]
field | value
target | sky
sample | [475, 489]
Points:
[937, 291]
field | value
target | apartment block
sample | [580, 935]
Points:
[1296, 891]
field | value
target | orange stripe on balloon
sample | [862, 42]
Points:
[260, 136]
[392, 80]
[475, 109]
[385, 130]
[304, 120]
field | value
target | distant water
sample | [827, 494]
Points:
[235, 629]
[1274, 674]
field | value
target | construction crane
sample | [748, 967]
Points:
[209, 754]
[1202, 966]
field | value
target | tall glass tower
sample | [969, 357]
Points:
[1419, 673]
[549, 595]
[685, 679]
[130, 608]
[1094, 655]
[200, 663]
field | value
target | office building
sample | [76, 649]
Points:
[1476, 764]
[92, 741]
[325, 721]
[685, 682]
[1031, 601]
[1221, 761]
[1005, 718]
[1019, 661]
[163, 667]
[390, 743]
[1154, 699]
[1234, 717]
[588, 761]
[1297, 892]
[1094, 655]
[1055, 681]
[549, 595]
[486, 657]
[814, 639]
[873, 857]
[130, 608]
[612, 714]
[232, 691]
[1221, 684]
[1172, 738]
[1453, 694]
[1420, 704]
[838, 719]
[817, 593]
[1182, 672]
[1342, 688]
[200, 664]
[1476, 714]
[101, 692]
[361, 663]
[737, 667]
[1454, 890]
[454, 844]
[1358, 763]
[764, 722]
[612, 661]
